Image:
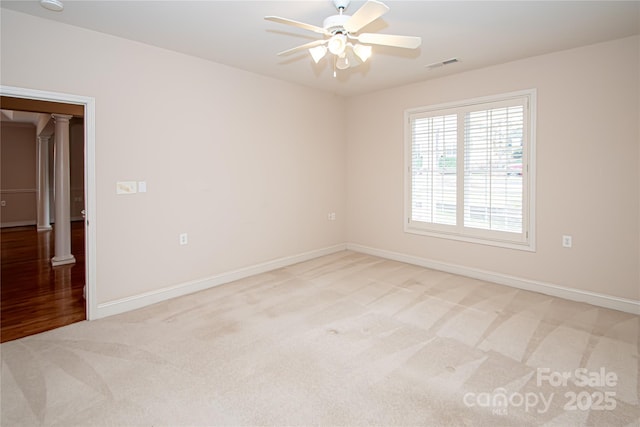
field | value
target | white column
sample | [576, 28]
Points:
[62, 230]
[44, 222]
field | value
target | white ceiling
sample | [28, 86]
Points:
[478, 33]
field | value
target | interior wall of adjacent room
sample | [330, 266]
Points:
[76, 169]
[19, 174]
[227, 155]
[587, 168]
[18, 180]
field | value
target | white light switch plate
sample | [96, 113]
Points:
[126, 187]
[142, 186]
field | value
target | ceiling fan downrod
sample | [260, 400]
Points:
[341, 5]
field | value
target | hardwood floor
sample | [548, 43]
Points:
[36, 297]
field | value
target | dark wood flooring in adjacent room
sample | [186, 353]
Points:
[36, 297]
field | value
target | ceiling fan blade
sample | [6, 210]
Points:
[293, 23]
[407, 42]
[368, 13]
[303, 47]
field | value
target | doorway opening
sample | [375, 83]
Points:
[35, 295]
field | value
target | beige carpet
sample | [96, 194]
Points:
[346, 339]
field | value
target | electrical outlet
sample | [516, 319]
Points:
[567, 241]
[184, 239]
[331, 216]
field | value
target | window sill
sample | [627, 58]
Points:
[521, 246]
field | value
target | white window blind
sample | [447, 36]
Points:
[470, 169]
[434, 167]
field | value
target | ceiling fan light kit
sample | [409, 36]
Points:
[363, 52]
[342, 62]
[317, 53]
[337, 44]
[339, 30]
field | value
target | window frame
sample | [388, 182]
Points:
[521, 241]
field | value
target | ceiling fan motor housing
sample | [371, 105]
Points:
[335, 24]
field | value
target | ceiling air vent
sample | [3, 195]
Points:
[441, 64]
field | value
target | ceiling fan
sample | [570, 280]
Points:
[341, 38]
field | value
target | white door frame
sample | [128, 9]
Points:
[89, 178]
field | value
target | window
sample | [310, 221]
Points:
[470, 170]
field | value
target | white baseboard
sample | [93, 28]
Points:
[138, 301]
[601, 300]
[32, 222]
[17, 224]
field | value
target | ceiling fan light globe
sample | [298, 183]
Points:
[342, 62]
[363, 52]
[317, 53]
[337, 44]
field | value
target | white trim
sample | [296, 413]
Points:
[142, 300]
[594, 298]
[466, 103]
[63, 260]
[25, 223]
[526, 240]
[89, 176]
[17, 190]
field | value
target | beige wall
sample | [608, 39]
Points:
[587, 168]
[227, 155]
[228, 158]
[18, 180]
